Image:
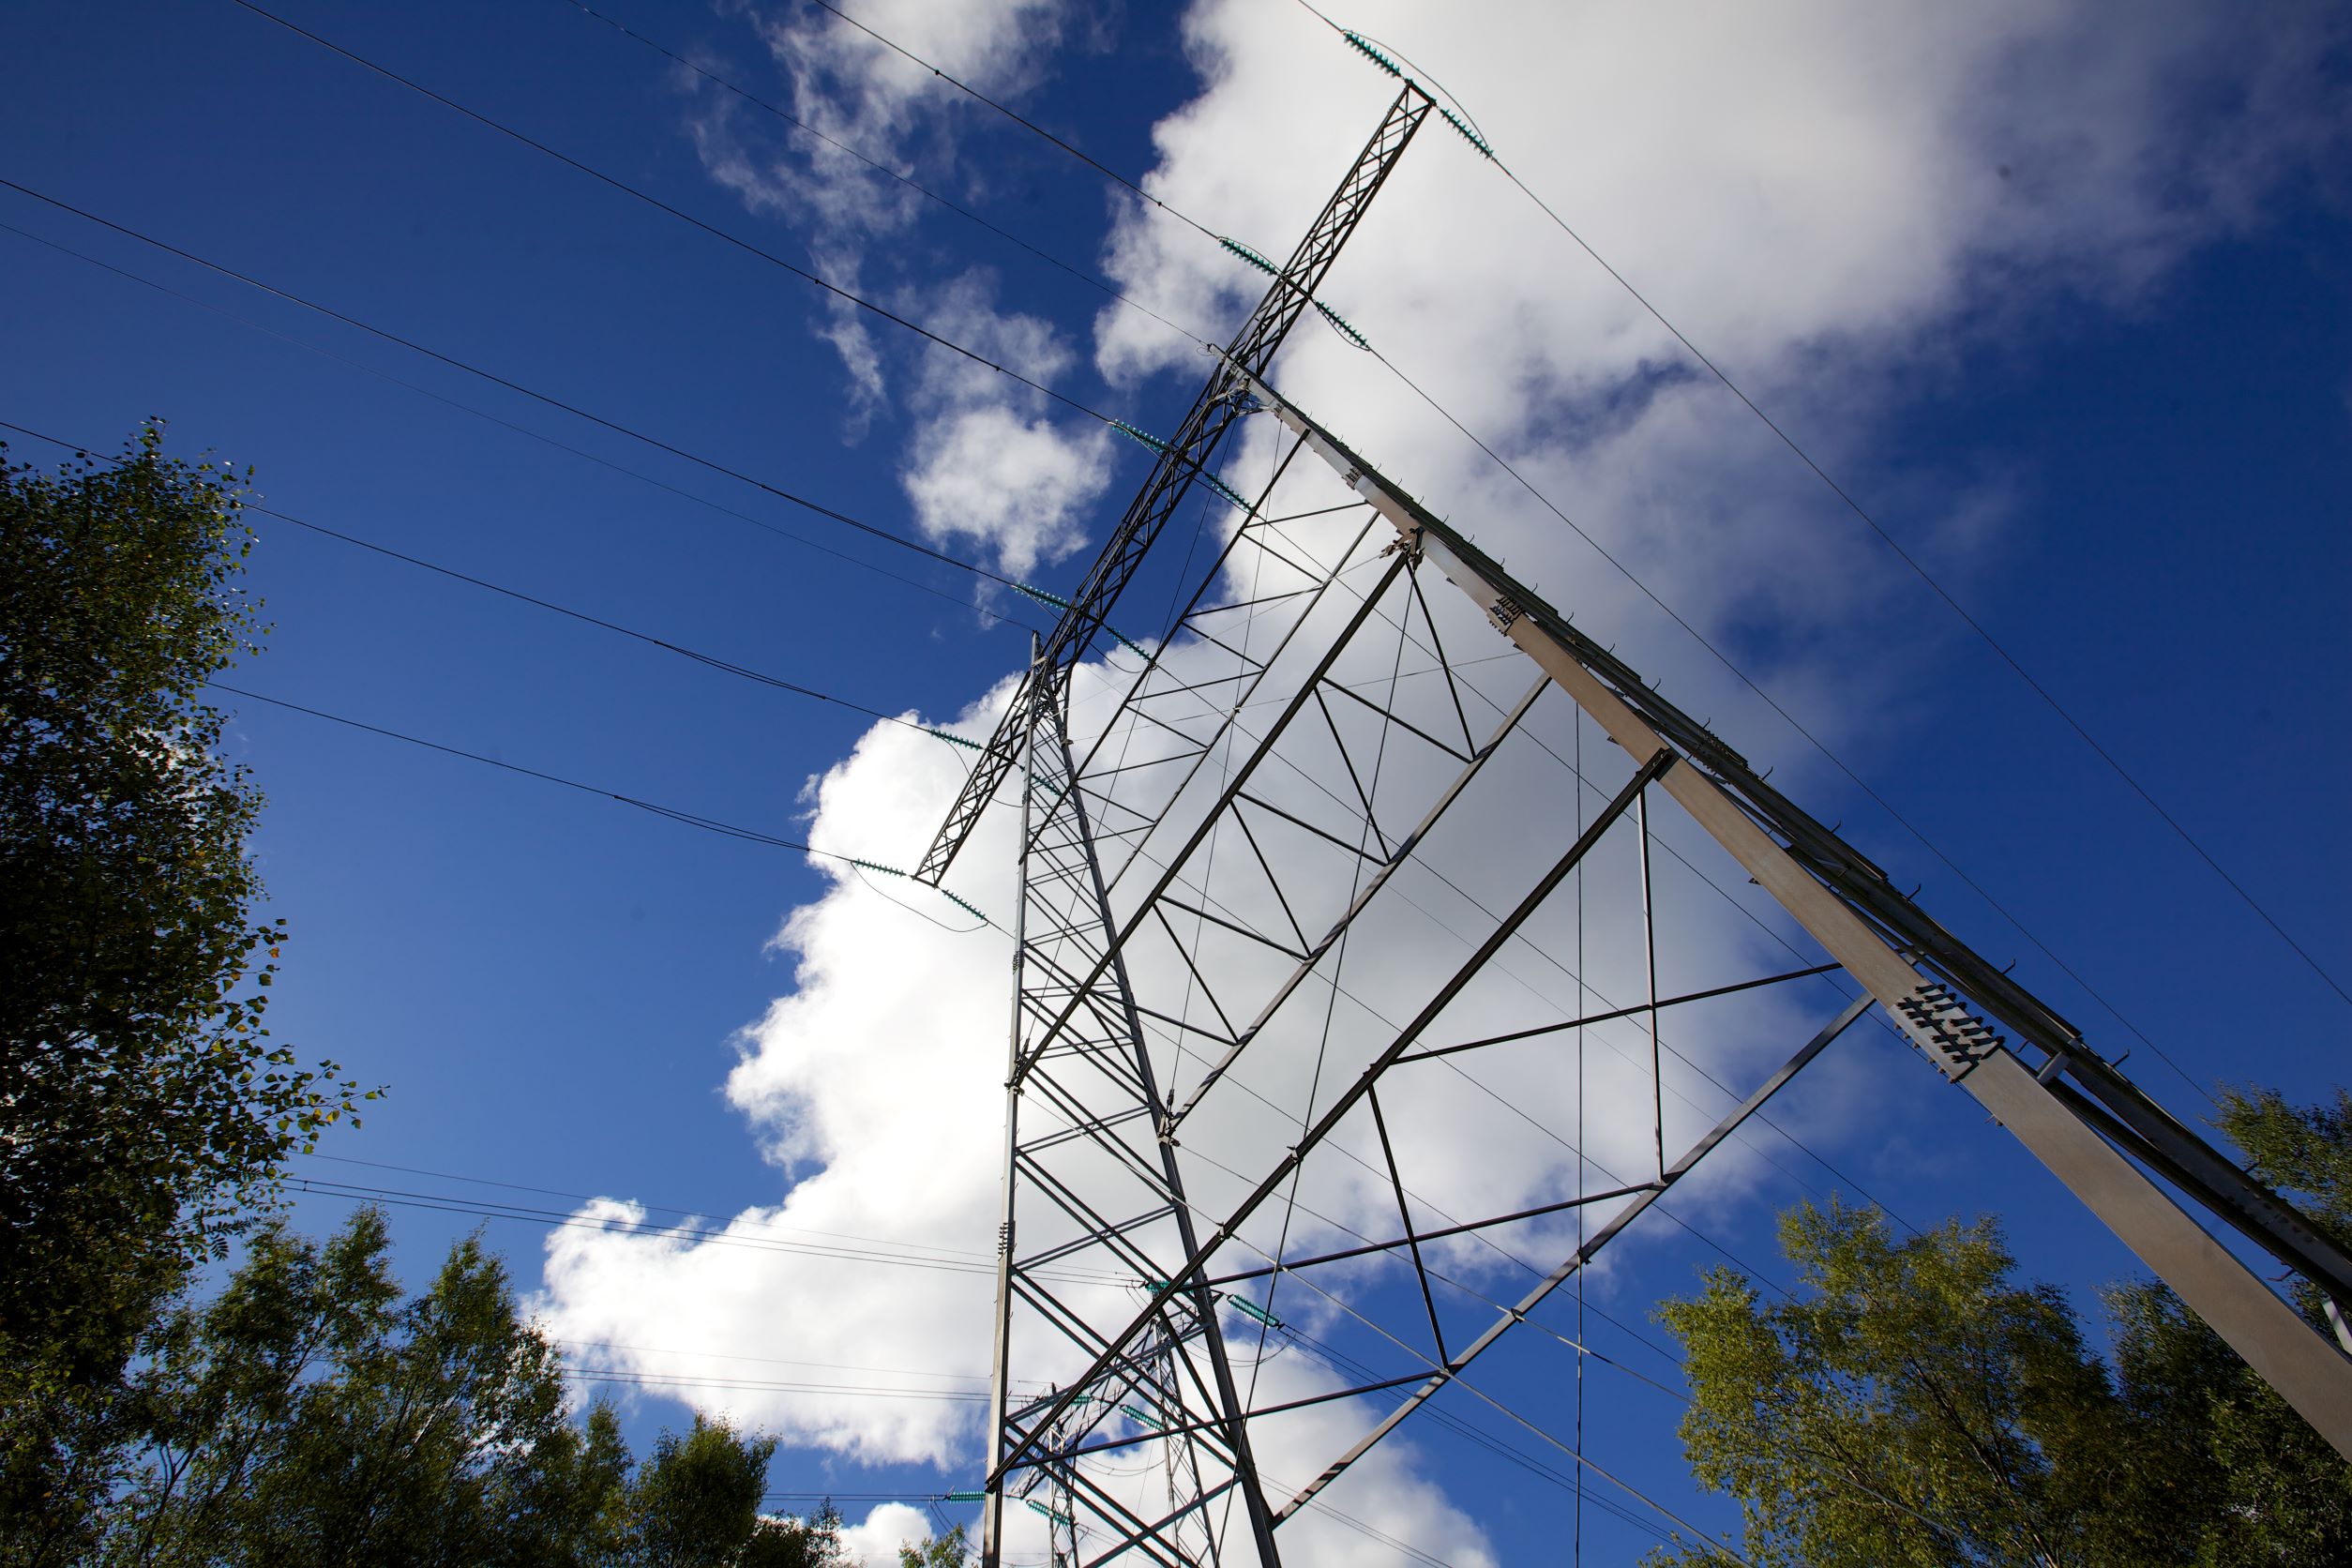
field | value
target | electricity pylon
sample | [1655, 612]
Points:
[1077, 1042]
[1154, 977]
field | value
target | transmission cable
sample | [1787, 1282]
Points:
[994, 617]
[1983, 632]
[1456, 1379]
[681, 1384]
[800, 501]
[773, 1361]
[1018, 118]
[826, 284]
[661, 1208]
[551, 1219]
[1340, 989]
[1898, 817]
[689, 818]
[712, 660]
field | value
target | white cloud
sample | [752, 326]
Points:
[987, 463]
[875, 1542]
[876, 1081]
[1020, 484]
[885, 116]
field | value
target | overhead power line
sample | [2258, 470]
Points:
[702, 1216]
[1487, 447]
[708, 824]
[994, 617]
[802, 502]
[712, 660]
[554, 1219]
[848, 296]
[685, 1382]
[1014, 115]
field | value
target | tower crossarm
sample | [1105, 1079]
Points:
[1178, 461]
[2073, 1108]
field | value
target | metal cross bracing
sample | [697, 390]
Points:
[1316, 756]
[2088, 1131]
[1248, 809]
[1104, 1189]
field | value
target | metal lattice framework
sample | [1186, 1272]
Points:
[1244, 1060]
[1186, 456]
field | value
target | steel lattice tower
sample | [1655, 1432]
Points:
[1193, 869]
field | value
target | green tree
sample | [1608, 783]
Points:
[810, 1543]
[141, 1102]
[950, 1550]
[2264, 1487]
[1910, 1406]
[696, 1504]
[308, 1416]
[698, 1498]
[1914, 1403]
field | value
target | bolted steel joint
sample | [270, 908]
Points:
[1952, 1038]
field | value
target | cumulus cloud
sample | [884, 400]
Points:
[987, 463]
[864, 1081]
[866, 114]
[1826, 196]
[875, 1082]
[875, 1541]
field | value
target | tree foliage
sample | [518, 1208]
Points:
[143, 1104]
[308, 1416]
[1914, 1403]
[951, 1550]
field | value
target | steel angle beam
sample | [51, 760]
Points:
[1931, 986]
[1090, 1098]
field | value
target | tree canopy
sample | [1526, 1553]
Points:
[143, 1104]
[308, 1416]
[305, 1415]
[1914, 1403]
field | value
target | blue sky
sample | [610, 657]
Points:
[2065, 307]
